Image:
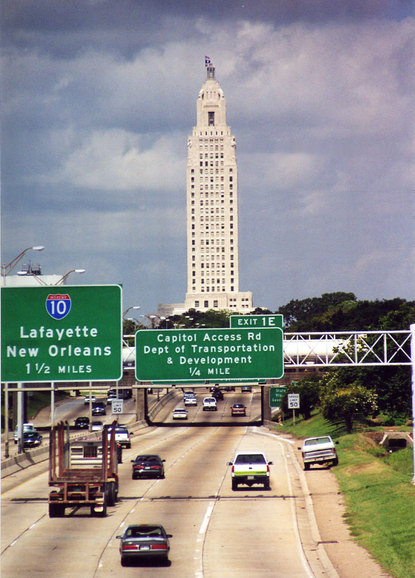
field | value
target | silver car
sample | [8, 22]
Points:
[144, 541]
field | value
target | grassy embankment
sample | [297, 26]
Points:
[379, 495]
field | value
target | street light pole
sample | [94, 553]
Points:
[6, 269]
[129, 308]
[64, 277]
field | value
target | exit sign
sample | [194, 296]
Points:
[61, 333]
[208, 354]
[256, 321]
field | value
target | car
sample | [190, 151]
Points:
[25, 428]
[31, 439]
[81, 423]
[250, 468]
[209, 404]
[144, 541]
[97, 426]
[98, 408]
[246, 388]
[147, 466]
[87, 398]
[319, 450]
[110, 397]
[238, 409]
[179, 413]
[217, 394]
[190, 400]
[122, 435]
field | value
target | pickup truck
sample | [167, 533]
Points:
[319, 450]
[122, 436]
[249, 469]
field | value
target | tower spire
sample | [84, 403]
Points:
[210, 69]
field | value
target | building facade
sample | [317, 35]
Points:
[212, 210]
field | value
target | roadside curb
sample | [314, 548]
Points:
[289, 439]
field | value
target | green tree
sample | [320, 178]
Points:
[304, 314]
[309, 390]
[344, 402]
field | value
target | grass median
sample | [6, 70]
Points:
[378, 492]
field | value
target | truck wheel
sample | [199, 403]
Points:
[110, 494]
[234, 485]
[56, 510]
[306, 466]
[124, 561]
[266, 485]
[101, 514]
[335, 462]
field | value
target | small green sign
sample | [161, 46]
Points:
[64, 333]
[275, 396]
[208, 354]
[259, 321]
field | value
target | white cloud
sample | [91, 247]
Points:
[117, 160]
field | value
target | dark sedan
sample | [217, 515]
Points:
[217, 394]
[81, 423]
[147, 466]
[31, 439]
[144, 541]
[99, 408]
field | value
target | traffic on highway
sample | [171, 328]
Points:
[174, 483]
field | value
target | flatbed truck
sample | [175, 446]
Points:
[82, 472]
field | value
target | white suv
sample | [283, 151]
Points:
[209, 404]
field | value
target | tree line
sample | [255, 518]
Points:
[347, 393]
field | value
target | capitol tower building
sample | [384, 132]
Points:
[212, 210]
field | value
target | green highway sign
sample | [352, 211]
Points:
[64, 333]
[275, 396]
[208, 354]
[245, 321]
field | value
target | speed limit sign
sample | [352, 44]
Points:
[293, 401]
[117, 406]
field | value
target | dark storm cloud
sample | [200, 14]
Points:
[98, 98]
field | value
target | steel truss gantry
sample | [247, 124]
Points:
[345, 348]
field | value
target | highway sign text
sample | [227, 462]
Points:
[71, 333]
[204, 354]
[256, 321]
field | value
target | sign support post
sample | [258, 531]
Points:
[412, 327]
[6, 420]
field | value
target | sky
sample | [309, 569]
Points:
[99, 97]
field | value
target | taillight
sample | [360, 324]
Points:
[233, 469]
[268, 468]
[129, 547]
[159, 546]
[155, 467]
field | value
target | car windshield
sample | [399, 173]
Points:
[141, 531]
[147, 459]
[250, 459]
[314, 441]
[121, 430]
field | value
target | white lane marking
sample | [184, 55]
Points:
[206, 518]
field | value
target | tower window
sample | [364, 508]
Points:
[211, 118]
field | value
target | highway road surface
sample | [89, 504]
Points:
[217, 532]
